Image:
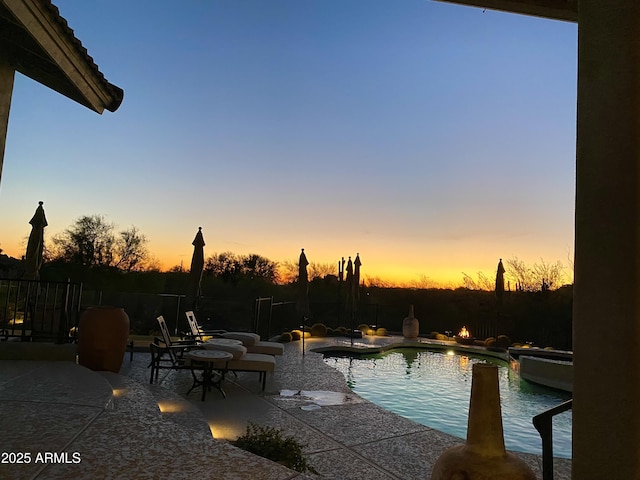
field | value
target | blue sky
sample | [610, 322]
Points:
[431, 138]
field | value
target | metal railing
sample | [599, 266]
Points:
[543, 424]
[262, 316]
[34, 310]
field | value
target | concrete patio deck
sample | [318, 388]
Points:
[75, 423]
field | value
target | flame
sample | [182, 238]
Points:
[464, 333]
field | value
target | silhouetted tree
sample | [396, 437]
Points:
[288, 271]
[225, 265]
[539, 276]
[321, 270]
[257, 266]
[232, 268]
[130, 250]
[482, 283]
[90, 242]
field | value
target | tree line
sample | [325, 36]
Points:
[92, 242]
[522, 277]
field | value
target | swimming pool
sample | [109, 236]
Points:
[433, 388]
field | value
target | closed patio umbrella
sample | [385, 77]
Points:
[349, 285]
[500, 282]
[356, 281]
[302, 300]
[197, 265]
[35, 244]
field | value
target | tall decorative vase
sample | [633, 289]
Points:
[102, 338]
[410, 325]
[483, 456]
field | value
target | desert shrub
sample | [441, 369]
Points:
[381, 332]
[549, 348]
[318, 330]
[433, 335]
[440, 336]
[503, 341]
[490, 342]
[269, 442]
[286, 337]
[342, 331]
[296, 334]
[365, 329]
[478, 343]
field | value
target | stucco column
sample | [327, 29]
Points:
[606, 324]
[7, 74]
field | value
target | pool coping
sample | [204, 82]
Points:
[426, 344]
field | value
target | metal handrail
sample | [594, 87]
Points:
[542, 422]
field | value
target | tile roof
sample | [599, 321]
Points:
[118, 93]
[41, 45]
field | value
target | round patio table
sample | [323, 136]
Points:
[208, 358]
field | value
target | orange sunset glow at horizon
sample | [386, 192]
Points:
[412, 262]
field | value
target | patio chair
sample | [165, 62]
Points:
[242, 361]
[196, 332]
[167, 353]
[250, 340]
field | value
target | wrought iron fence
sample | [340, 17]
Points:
[273, 317]
[32, 310]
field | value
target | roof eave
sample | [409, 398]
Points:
[54, 57]
[566, 10]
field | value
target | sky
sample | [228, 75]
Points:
[430, 138]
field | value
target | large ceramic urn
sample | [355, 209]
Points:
[410, 325]
[102, 338]
[483, 456]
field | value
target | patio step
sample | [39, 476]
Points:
[172, 429]
[157, 403]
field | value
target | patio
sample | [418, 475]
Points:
[118, 426]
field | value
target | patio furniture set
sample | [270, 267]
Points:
[213, 353]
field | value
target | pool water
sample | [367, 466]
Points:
[433, 388]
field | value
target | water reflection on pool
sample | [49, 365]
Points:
[433, 388]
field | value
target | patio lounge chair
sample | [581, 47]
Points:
[241, 361]
[250, 340]
[166, 353]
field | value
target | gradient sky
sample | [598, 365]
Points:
[431, 138]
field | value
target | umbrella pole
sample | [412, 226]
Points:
[352, 330]
[177, 314]
[304, 321]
